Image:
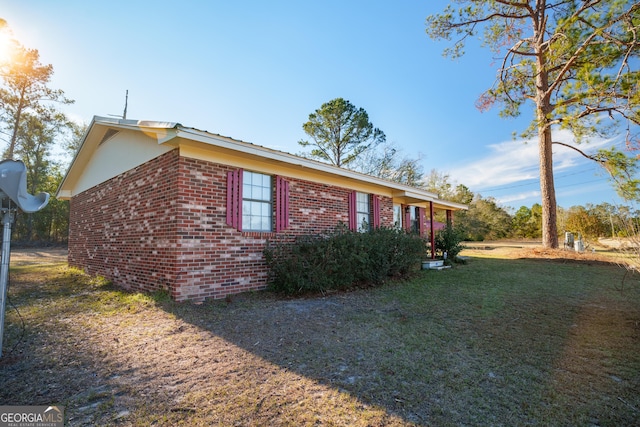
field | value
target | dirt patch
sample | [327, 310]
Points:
[480, 344]
[30, 256]
[535, 250]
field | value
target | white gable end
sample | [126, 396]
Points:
[116, 154]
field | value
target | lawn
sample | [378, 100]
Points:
[497, 341]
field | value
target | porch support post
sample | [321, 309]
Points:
[449, 217]
[431, 232]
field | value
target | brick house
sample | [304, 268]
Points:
[156, 205]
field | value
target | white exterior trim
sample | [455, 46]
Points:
[95, 163]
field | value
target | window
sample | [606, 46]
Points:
[257, 204]
[251, 204]
[397, 216]
[362, 212]
[409, 218]
[413, 220]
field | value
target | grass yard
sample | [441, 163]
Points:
[502, 340]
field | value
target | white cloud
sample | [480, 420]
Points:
[515, 161]
[519, 197]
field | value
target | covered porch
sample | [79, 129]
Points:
[416, 210]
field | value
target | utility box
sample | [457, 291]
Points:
[568, 240]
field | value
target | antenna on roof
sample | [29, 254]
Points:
[126, 103]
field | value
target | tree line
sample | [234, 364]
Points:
[487, 220]
[573, 63]
[573, 60]
[341, 134]
[36, 132]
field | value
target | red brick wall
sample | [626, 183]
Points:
[163, 226]
[125, 229]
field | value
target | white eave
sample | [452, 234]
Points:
[410, 194]
[168, 132]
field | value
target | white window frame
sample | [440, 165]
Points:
[363, 211]
[257, 201]
[397, 216]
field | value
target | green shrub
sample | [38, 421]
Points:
[342, 258]
[449, 240]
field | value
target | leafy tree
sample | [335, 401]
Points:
[520, 222]
[386, 162]
[35, 142]
[485, 220]
[574, 60]
[73, 139]
[625, 222]
[462, 195]
[26, 92]
[582, 220]
[594, 221]
[439, 183]
[527, 223]
[340, 133]
[32, 125]
[449, 240]
[50, 224]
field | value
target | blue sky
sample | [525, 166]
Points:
[255, 70]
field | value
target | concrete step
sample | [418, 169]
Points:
[434, 264]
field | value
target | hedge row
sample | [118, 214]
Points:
[342, 258]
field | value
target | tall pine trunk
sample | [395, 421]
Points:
[547, 191]
[545, 141]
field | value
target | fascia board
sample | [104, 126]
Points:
[162, 131]
[279, 156]
[168, 132]
[64, 194]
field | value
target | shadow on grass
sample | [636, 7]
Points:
[493, 342]
[46, 359]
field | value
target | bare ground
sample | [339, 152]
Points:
[125, 359]
[130, 360]
[22, 256]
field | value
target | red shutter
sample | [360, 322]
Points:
[407, 217]
[230, 188]
[422, 219]
[375, 204]
[353, 218]
[282, 204]
[234, 199]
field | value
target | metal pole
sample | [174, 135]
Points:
[7, 220]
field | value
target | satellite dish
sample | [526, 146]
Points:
[13, 184]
